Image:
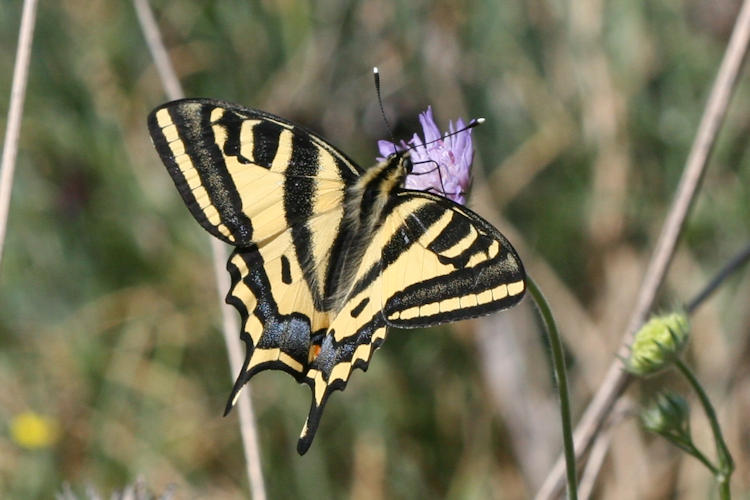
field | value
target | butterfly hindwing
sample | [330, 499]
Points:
[278, 311]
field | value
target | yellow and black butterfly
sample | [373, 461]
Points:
[327, 255]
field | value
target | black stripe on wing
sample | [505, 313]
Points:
[192, 128]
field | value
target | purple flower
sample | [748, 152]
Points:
[442, 164]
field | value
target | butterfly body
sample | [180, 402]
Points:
[327, 254]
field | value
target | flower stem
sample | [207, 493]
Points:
[692, 450]
[558, 364]
[726, 464]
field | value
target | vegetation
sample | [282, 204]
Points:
[109, 320]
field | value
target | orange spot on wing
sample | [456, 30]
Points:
[314, 351]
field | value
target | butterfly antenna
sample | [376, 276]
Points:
[473, 123]
[376, 77]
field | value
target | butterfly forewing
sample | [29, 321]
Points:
[244, 174]
[315, 287]
[445, 263]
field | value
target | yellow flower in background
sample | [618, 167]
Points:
[32, 430]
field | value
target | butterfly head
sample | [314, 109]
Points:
[440, 163]
[400, 161]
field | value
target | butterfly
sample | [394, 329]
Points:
[327, 255]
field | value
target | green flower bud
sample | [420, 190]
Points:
[668, 416]
[658, 343]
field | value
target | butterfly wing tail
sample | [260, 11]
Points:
[332, 369]
[313, 418]
[239, 384]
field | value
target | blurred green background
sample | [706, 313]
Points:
[109, 318]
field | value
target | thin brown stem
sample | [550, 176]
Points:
[616, 379]
[230, 326]
[15, 113]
